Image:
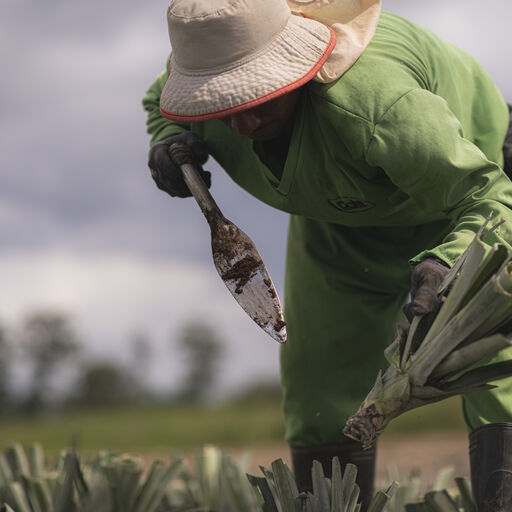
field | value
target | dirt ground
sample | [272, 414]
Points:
[426, 453]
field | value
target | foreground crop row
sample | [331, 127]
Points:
[213, 483]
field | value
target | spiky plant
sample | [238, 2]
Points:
[443, 501]
[279, 493]
[434, 357]
[119, 483]
[109, 483]
[215, 482]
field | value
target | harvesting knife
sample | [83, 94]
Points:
[235, 256]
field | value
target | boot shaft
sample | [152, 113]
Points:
[490, 455]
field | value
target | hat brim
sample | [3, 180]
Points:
[293, 58]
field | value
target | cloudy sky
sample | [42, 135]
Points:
[82, 227]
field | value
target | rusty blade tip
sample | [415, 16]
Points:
[279, 336]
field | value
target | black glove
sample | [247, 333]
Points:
[166, 172]
[426, 277]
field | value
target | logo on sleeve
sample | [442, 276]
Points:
[351, 205]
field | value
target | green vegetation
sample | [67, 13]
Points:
[151, 429]
[160, 429]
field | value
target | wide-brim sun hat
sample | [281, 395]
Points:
[353, 21]
[231, 55]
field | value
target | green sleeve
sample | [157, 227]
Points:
[158, 126]
[420, 145]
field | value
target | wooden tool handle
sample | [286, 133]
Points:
[181, 155]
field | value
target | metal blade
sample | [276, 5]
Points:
[235, 256]
[241, 268]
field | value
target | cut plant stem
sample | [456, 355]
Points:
[435, 357]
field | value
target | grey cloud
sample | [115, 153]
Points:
[72, 133]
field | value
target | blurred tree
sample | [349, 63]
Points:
[105, 383]
[202, 349]
[5, 364]
[47, 340]
[141, 351]
[260, 392]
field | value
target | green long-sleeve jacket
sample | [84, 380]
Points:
[412, 133]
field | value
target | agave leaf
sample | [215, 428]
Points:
[381, 499]
[428, 393]
[161, 486]
[28, 486]
[260, 483]
[407, 491]
[421, 331]
[459, 328]
[51, 481]
[349, 487]
[303, 503]
[272, 484]
[5, 471]
[378, 387]
[285, 484]
[396, 389]
[208, 465]
[479, 376]
[17, 460]
[443, 479]
[473, 257]
[321, 495]
[469, 355]
[6, 508]
[498, 320]
[418, 506]
[440, 501]
[393, 352]
[194, 509]
[36, 460]
[494, 261]
[145, 495]
[480, 235]
[466, 495]
[14, 495]
[40, 494]
[79, 480]
[337, 498]
[235, 488]
[63, 496]
[125, 481]
[408, 343]
[352, 505]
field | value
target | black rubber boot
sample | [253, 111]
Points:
[490, 456]
[349, 452]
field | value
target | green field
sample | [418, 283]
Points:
[162, 429]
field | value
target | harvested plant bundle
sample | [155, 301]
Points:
[434, 357]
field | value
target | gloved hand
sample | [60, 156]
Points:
[426, 277]
[166, 172]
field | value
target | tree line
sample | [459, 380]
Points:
[46, 342]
